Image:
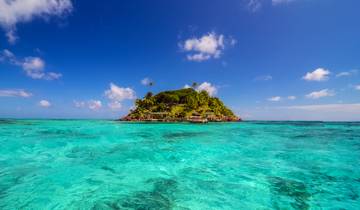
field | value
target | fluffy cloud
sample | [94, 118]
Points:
[34, 67]
[15, 93]
[208, 87]
[320, 94]
[206, 47]
[13, 12]
[118, 94]
[319, 74]
[94, 104]
[44, 103]
[357, 87]
[275, 98]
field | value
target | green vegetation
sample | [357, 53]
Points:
[180, 105]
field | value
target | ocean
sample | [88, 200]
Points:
[99, 164]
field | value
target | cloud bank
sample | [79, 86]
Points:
[13, 12]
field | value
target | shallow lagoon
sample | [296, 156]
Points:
[84, 164]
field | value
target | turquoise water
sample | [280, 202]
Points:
[59, 164]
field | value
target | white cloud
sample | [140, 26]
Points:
[206, 47]
[34, 67]
[208, 87]
[319, 74]
[44, 103]
[291, 97]
[277, 2]
[357, 87]
[329, 108]
[186, 86]
[117, 93]
[347, 73]
[15, 93]
[13, 12]
[94, 104]
[320, 94]
[275, 98]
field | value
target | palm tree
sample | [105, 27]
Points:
[194, 85]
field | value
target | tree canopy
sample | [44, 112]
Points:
[178, 104]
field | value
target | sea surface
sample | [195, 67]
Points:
[84, 164]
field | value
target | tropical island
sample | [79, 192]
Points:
[183, 105]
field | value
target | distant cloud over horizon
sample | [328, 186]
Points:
[275, 98]
[44, 103]
[94, 104]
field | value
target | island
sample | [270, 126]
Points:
[183, 105]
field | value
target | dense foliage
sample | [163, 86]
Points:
[179, 104]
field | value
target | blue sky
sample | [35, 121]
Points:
[266, 59]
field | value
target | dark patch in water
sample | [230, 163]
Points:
[83, 153]
[184, 134]
[65, 133]
[293, 123]
[14, 122]
[144, 135]
[160, 198]
[302, 136]
[6, 122]
[106, 168]
[295, 190]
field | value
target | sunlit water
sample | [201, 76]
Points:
[49, 164]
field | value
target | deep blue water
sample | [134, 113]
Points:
[69, 164]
